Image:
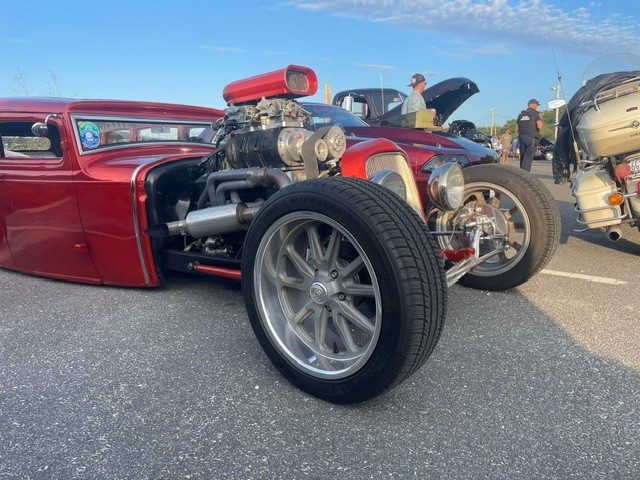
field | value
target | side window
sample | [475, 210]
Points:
[19, 142]
[357, 106]
[386, 102]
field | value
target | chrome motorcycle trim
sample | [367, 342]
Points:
[614, 217]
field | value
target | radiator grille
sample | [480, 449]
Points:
[390, 161]
[398, 163]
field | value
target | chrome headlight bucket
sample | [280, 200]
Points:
[392, 180]
[391, 169]
[446, 186]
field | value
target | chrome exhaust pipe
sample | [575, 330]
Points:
[613, 233]
[230, 218]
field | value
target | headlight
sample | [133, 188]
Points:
[391, 180]
[396, 162]
[446, 186]
[437, 160]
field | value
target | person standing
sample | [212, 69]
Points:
[529, 125]
[415, 101]
[564, 153]
[505, 141]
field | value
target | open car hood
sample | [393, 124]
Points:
[445, 97]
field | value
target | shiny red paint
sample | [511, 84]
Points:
[272, 84]
[355, 158]
[74, 217]
[458, 255]
[231, 273]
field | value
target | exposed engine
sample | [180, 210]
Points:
[272, 134]
[262, 145]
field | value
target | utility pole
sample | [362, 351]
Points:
[493, 127]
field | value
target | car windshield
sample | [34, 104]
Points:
[93, 133]
[329, 115]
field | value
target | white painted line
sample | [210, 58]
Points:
[589, 278]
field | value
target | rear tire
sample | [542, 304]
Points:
[343, 287]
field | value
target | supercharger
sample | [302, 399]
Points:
[272, 134]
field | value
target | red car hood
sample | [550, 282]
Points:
[440, 140]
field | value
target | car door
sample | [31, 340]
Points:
[39, 215]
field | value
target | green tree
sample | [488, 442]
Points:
[548, 118]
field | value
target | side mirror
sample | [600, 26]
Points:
[40, 129]
[556, 103]
[347, 103]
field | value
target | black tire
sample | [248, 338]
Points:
[382, 281]
[520, 205]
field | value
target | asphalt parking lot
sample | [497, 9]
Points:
[541, 382]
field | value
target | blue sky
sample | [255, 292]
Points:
[186, 52]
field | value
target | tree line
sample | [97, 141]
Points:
[548, 131]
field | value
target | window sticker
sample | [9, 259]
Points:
[89, 134]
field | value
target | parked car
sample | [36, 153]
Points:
[426, 150]
[369, 103]
[544, 149]
[344, 285]
[467, 129]
[381, 106]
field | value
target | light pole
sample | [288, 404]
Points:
[557, 89]
[492, 130]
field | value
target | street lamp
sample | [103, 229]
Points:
[557, 89]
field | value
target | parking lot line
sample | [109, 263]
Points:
[589, 278]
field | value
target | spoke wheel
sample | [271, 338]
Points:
[319, 294]
[343, 287]
[519, 208]
[507, 218]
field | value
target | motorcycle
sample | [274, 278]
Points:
[601, 130]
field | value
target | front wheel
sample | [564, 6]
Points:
[343, 287]
[511, 206]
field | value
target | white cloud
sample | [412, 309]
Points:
[524, 22]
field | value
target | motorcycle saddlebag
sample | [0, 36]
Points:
[612, 125]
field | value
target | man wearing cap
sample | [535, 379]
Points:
[529, 124]
[415, 101]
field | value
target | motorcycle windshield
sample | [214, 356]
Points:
[609, 64]
[602, 74]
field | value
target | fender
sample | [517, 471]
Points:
[366, 158]
[354, 160]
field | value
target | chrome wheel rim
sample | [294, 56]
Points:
[317, 294]
[507, 216]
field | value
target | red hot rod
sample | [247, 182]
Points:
[344, 271]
